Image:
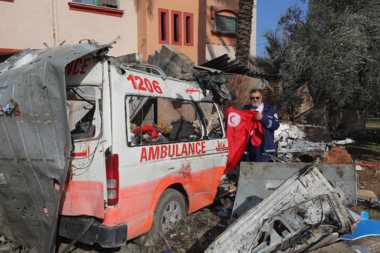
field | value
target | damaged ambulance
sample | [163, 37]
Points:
[90, 145]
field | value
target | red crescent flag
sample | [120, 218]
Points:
[239, 126]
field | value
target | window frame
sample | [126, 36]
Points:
[95, 4]
[224, 32]
[179, 27]
[186, 32]
[166, 27]
[128, 123]
[74, 6]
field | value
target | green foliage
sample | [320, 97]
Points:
[372, 120]
[333, 48]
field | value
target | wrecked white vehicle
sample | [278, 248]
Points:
[113, 151]
[298, 213]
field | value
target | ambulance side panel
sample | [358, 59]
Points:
[146, 171]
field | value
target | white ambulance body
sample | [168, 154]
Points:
[128, 179]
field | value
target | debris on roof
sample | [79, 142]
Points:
[172, 61]
[225, 64]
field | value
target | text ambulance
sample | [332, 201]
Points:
[147, 151]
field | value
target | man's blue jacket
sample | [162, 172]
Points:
[269, 123]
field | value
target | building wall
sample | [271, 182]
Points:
[148, 25]
[51, 21]
[25, 23]
[219, 44]
[30, 23]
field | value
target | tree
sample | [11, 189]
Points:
[333, 48]
[244, 30]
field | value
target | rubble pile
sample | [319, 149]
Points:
[172, 61]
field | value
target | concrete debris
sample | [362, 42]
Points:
[290, 148]
[365, 195]
[5, 247]
[172, 61]
[300, 212]
[288, 131]
[344, 142]
[294, 141]
[136, 58]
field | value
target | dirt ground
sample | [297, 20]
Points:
[192, 235]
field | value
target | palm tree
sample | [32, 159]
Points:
[244, 30]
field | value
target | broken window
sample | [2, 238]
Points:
[160, 120]
[212, 120]
[225, 24]
[81, 112]
[103, 3]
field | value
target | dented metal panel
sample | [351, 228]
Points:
[258, 180]
[299, 213]
[34, 142]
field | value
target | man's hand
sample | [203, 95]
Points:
[258, 116]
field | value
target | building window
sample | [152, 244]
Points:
[176, 32]
[163, 26]
[225, 24]
[188, 29]
[103, 3]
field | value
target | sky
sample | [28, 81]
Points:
[268, 12]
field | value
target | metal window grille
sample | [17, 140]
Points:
[225, 24]
[103, 3]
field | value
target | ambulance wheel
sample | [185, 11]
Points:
[169, 210]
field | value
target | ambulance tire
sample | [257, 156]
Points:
[170, 209]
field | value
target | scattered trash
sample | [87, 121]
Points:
[355, 216]
[221, 225]
[358, 167]
[368, 165]
[200, 237]
[365, 228]
[222, 213]
[2, 239]
[344, 142]
[365, 195]
[330, 239]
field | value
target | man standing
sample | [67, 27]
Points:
[267, 116]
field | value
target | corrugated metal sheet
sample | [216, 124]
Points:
[225, 64]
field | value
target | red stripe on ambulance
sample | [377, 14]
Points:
[174, 150]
